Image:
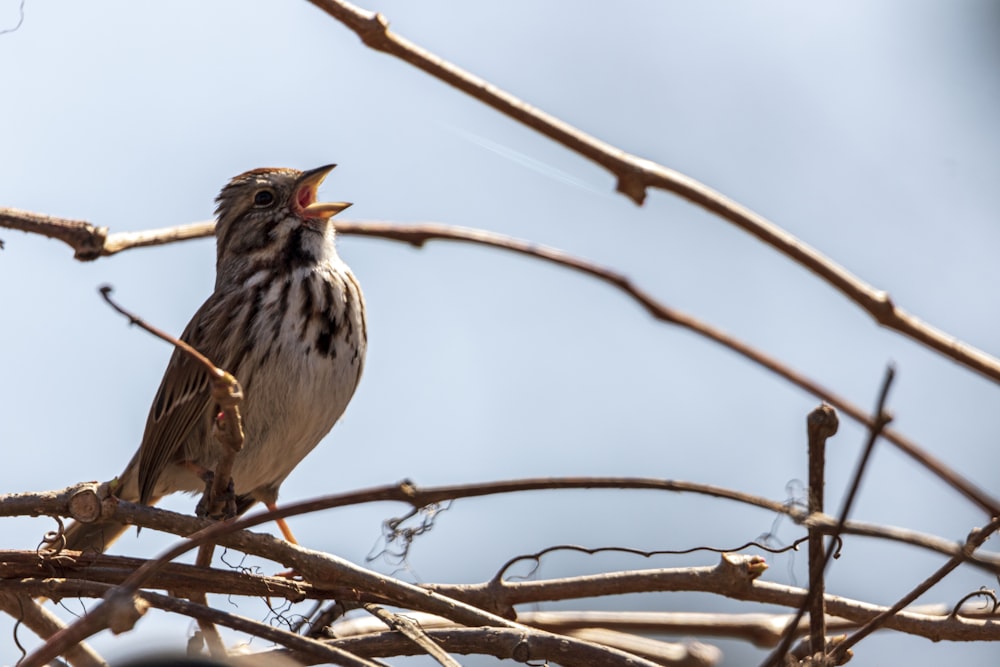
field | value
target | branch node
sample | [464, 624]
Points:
[91, 246]
[883, 308]
[375, 32]
[632, 184]
[85, 505]
[742, 568]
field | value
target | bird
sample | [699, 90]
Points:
[287, 319]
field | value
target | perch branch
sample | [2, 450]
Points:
[120, 607]
[63, 503]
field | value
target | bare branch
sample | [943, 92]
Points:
[121, 606]
[45, 624]
[419, 234]
[59, 575]
[976, 538]
[86, 240]
[821, 424]
[735, 577]
[524, 645]
[412, 631]
[816, 570]
[634, 175]
[761, 630]
[62, 503]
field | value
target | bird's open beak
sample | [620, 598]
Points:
[305, 195]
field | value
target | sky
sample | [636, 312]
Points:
[867, 130]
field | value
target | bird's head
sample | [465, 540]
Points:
[261, 211]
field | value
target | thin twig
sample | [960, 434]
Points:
[882, 418]
[227, 427]
[412, 630]
[45, 624]
[976, 538]
[821, 425]
[211, 368]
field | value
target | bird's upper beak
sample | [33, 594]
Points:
[305, 195]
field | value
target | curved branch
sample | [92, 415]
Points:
[45, 624]
[67, 502]
[418, 234]
[634, 175]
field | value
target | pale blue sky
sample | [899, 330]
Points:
[869, 130]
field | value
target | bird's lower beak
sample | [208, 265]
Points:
[305, 195]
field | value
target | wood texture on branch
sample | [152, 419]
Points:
[532, 647]
[121, 607]
[634, 175]
[734, 576]
[419, 234]
[87, 501]
[44, 623]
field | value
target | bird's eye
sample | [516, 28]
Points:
[263, 199]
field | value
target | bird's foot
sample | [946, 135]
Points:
[216, 508]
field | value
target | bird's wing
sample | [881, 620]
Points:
[182, 403]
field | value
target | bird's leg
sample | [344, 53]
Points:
[282, 525]
[289, 537]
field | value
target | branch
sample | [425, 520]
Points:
[410, 629]
[45, 624]
[227, 427]
[886, 617]
[418, 234]
[89, 241]
[760, 629]
[613, 627]
[634, 175]
[526, 645]
[817, 569]
[87, 501]
[56, 575]
[735, 577]
[821, 424]
[121, 608]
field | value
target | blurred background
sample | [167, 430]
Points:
[867, 130]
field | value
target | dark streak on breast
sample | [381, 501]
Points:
[296, 254]
[307, 305]
[286, 289]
